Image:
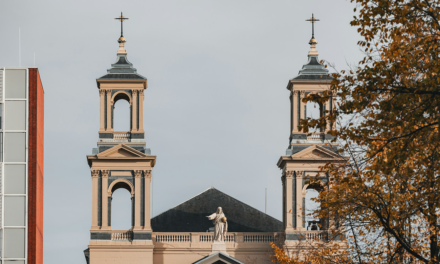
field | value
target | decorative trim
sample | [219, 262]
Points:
[142, 236]
[95, 173]
[289, 174]
[105, 173]
[100, 236]
[109, 190]
[299, 174]
[137, 173]
[119, 92]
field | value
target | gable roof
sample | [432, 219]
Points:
[218, 258]
[316, 152]
[190, 216]
[121, 151]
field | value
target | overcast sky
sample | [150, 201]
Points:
[216, 107]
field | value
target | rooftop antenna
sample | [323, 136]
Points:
[19, 49]
[265, 202]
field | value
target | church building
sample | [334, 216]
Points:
[183, 234]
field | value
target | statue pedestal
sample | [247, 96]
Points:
[219, 247]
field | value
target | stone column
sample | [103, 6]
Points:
[95, 191]
[295, 111]
[289, 204]
[109, 111]
[299, 200]
[134, 110]
[141, 111]
[104, 199]
[137, 199]
[147, 226]
[301, 109]
[102, 98]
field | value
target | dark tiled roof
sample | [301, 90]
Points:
[190, 216]
[313, 71]
[122, 76]
[122, 69]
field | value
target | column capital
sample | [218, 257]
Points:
[288, 173]
[147, 173]
[108, 90]
[105, 173]
[303, 93]
[299, 174]
[137, 173]
[95, 173]
[141, 92]
[295, 92]
[101, 91]
[134, 91]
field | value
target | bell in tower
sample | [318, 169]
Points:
[121, 160]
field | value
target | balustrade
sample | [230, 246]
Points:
[119, 235]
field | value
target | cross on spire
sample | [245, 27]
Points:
[313, 20]
[122, 18]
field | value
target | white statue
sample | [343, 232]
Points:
[220, 225]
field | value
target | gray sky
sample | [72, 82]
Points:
[216, 107]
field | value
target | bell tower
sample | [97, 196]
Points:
[121, 160]
[306, 152]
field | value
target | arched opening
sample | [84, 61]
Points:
[311, 205]
[121, 113]
[312, 111]
[121, 207]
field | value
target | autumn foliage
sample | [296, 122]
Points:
[385, 199]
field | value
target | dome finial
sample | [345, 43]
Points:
[121, 39]
[313, 42]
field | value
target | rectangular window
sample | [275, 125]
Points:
[15, 147]
[15, 84]
[15, 179]
[14, 243]
[15, 207]
[15, 118]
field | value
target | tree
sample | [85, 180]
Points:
[386, 198]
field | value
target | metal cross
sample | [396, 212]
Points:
[313, 21]
[122, 18]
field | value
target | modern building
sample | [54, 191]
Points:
[21, 166]
[183, 234]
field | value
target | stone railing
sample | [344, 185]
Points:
[314, 235]
[178, 238]
[121, 135]
[120, 235]
[207, 238]
[315, 136]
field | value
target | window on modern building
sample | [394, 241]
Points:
[15, 207]
[15, 179]
[15, 118]
[15, 81]
[15, 147]
[14, 243]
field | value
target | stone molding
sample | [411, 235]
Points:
[289, 174]
[95, 173]
[105, 173]
[109, 190]
[147, 173]
[137, 173]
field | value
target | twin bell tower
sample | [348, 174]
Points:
[121, 160]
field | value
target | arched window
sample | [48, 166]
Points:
[312, 223]
[312, 110]
[121, 115]
[121, 209]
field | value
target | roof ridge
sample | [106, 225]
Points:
[222, 193]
